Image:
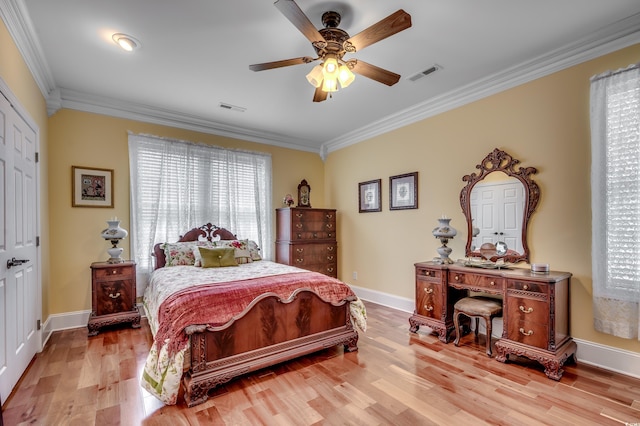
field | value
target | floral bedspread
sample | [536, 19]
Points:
[213, 297]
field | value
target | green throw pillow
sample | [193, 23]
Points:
[217, 257]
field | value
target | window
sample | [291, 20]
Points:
[615, 194]
[178, 185]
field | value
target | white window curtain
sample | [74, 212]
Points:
[615, 195]
[178, 185]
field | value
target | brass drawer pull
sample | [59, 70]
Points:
[114, 296]
[299, 260]
[428, 308]
[300, 250]
[330, 248]
[428, 290]
[329, 215]
[492, 283]
[526, 333]
[299, 225]
[329, 225]
[525, 287]
[457, 278]
[114, 271]
[330, 269]
[429, 273]
[299, 215]
[526, 311]
[329, 257]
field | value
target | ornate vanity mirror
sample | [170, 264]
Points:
[498, 202]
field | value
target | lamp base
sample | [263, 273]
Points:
[115, 253]
[444, 253]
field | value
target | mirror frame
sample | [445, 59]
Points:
[500, 161]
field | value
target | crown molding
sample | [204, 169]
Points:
[71, 99]
[609, 39]
[615, 37]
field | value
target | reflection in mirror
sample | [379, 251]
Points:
[498, 203]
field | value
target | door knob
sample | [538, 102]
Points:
[15, 262]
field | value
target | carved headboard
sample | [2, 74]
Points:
[206, 232]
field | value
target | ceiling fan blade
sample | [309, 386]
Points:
[280, 64]
[319, 95]
[392, 24]
[376, 73]
[293, 13]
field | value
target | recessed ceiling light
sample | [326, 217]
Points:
[126, 42]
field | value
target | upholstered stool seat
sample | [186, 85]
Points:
[477, 307]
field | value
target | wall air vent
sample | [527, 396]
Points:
[424, 73]
[231, 107]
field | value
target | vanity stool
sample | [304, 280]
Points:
[476, 307]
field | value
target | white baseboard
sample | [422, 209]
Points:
[607, 357]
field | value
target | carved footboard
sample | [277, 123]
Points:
[270, 331]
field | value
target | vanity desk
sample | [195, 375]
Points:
[498, 201]
[535, 309]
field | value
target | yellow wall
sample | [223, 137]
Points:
[93, 140]
[545, 124]
[16, 75]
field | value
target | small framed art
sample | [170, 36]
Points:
[369, 196]
[403, 191]
[91, 187]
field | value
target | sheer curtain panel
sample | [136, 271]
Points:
[615, 197]
[178, 185]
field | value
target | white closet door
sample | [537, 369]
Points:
[19, 286]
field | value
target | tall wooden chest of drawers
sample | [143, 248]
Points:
[306, 238]
[113, 295]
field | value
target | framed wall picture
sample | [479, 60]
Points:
[369, 194]
[91, 187]
[403, 191]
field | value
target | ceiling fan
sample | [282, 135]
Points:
[331, 44]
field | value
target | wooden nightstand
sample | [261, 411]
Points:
[113, 288]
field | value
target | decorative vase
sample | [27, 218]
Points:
[114, 233]
[444, 232]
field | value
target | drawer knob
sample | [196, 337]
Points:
[330, 248]
[457, 278]
[114, 271]
[299, 215]
[299, 235]
[329, 215]
[492, 283]
[315, 235]
[329, 258]
[526, 311]
[525, 287]
[329, 225]
[299, 260]
[330, 269]
[526, 333]
[300, 250]
[299, 225]
[428, 308]
[428, 290]
[114, 296]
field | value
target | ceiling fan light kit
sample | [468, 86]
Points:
[332, 43]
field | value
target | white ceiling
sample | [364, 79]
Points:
[196, 54]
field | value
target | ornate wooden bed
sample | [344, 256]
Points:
[268, 331]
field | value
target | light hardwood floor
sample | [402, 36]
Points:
[396, 378]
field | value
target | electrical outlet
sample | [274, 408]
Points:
[355, 275]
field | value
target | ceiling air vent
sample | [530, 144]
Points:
[419, 75]
[231, 107]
